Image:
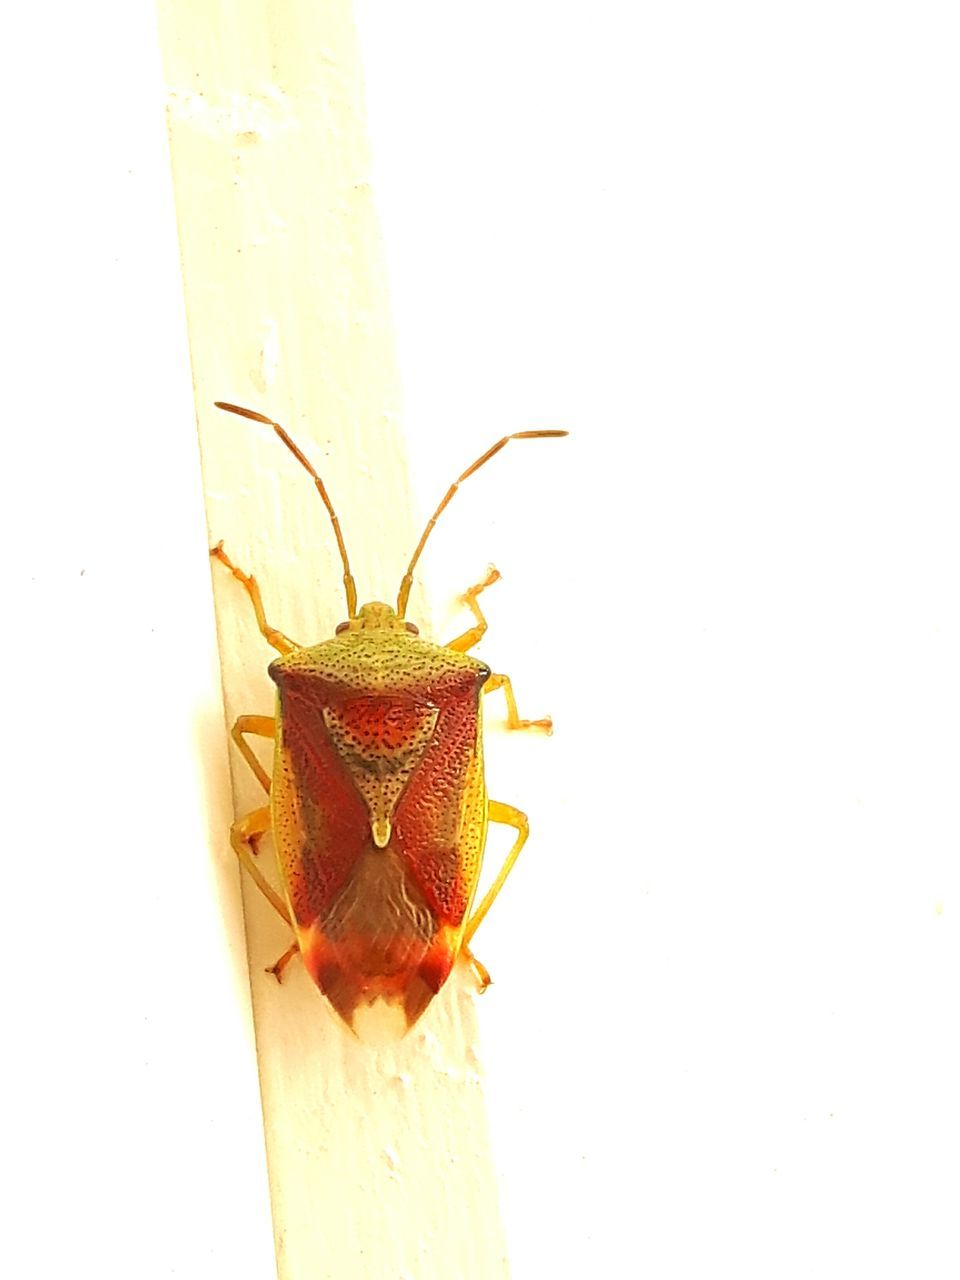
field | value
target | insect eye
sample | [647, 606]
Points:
[341, 627]
[414, 630]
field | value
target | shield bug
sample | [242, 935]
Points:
[377, 800]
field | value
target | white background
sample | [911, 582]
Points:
[132, 1140]
[719, 244]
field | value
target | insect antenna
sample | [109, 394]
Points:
[348, 583]
[407, 581]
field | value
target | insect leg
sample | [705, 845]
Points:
[510, 817]
[263, 727]
[513, 718]
[273, 637]
[480, 971]
[472, 637]
[278, 968]
[243, 835]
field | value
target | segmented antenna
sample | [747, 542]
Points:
[407, 581]
[348, 583]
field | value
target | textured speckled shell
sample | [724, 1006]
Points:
[379, 811]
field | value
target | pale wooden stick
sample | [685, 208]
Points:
[379, 1159]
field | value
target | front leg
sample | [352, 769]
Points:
[280, 642]
[471, 637]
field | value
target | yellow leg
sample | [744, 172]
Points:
[243, 835]
[472, 637]
[480, 971]
[510, 817]
[263, 727]
[513, 719]
[278, 968]
[273, 637]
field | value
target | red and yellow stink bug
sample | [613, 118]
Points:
[378, 805]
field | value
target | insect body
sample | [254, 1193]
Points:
[378, 805]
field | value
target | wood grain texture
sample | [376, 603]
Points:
[379, 1158]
